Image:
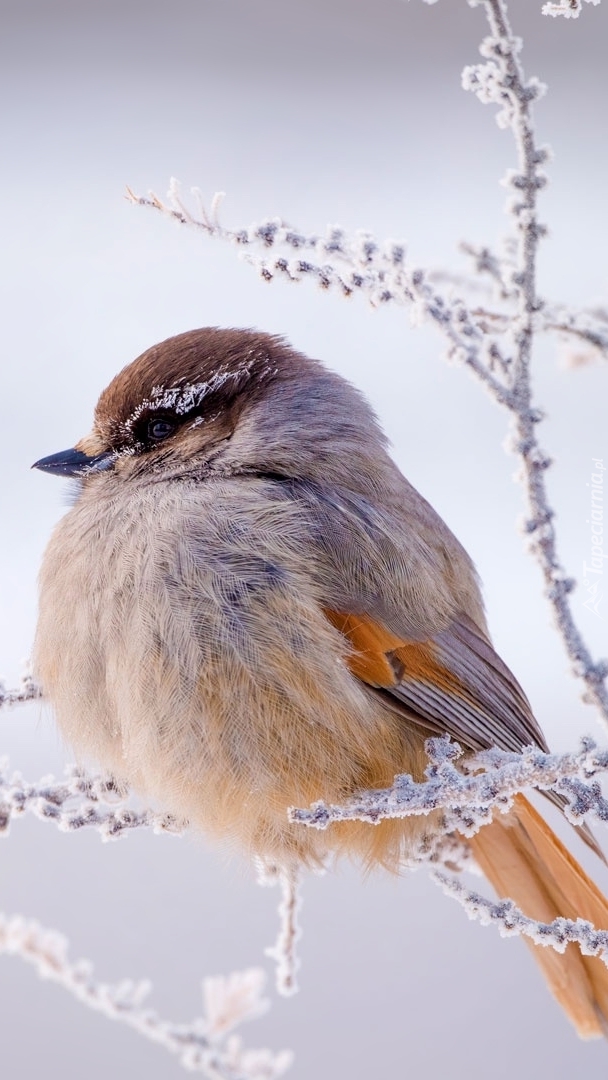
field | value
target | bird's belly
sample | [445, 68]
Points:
[216, 689]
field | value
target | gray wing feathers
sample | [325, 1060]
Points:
[480, 704]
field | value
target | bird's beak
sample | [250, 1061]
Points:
[74, 463]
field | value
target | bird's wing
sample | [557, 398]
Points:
[454, 683]
[451, 682]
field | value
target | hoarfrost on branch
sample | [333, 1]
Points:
[204, 1045]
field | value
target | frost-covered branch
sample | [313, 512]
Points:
[467, 795]
[467, 789]
[77, 802]
[26, 691]
[512, 921]
[570, 9]
[356, 265]
[502, 81]
[284, 950]
[487, 780]
[96, 801]
[205, 1045]
[588, 327]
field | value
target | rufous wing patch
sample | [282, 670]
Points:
[382, 659]
[372, 647]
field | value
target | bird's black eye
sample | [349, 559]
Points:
[159, 429]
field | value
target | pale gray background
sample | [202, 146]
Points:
[319, 111]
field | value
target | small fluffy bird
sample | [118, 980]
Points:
[248, 608]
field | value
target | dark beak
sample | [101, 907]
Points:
[74, 463]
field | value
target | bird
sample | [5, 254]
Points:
[248, 608]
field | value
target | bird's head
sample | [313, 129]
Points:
[228, 401]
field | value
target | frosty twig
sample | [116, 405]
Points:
[204, 1045]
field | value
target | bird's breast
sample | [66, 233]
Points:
[182, 643]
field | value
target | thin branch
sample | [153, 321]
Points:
[360, 265]
[25, 692]
[508, 86]
[200, 1046]
[96, 802]
[284, 950]
[590, 327]
[511, 921]
[497, 269]
[570, 9]
[468, 796]
[467, 792]
[78, 802]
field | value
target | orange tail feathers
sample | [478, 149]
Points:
[525, 861]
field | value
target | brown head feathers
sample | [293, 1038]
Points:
[188, 376]
[239, 399]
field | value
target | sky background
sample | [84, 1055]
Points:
[329, 111]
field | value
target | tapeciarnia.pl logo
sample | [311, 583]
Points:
[593, 571]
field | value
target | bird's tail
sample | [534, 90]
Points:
[525, 861]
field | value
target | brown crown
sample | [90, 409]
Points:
[218, 361]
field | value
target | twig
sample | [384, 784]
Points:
[26, 691]
[200, 1046]
[78, 802]
[284, 951]
[516, 95]
[512, 922]
[468, 796]
[359, 265]
[570, 9]
[588, 326]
